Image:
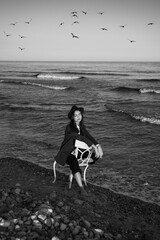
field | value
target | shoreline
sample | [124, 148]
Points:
[113, 212]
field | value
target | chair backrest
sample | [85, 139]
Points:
[83, 153]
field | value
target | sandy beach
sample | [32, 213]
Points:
[116, 215]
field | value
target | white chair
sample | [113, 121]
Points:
[83, 154]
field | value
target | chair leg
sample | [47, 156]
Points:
[54, 171]
[84, 175]
[70, 180]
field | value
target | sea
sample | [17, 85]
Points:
[122, 112]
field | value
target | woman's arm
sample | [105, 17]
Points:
[97, 147]
[89, 136]
[69, 133]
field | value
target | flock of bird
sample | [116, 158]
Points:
[21, 36]
[74, 15]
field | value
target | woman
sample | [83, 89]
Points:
[76, 130]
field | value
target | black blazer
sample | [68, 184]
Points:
[67, 145]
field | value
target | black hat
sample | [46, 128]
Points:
[73, 109]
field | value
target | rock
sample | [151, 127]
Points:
[42, 217]
[76, 230]
[66, 208]
[57, 209]
[48, 222]
[56, 225]
[85, 233]
[33, 217]
[17, 227]
[17, 191]
[25, 212]
[63, 226]
[108, 236]
[17, 185]
[60, 204]
[37, 224]
[98, 232]
[78, 201]
[3, 208]
[118, 237]
[4, 223]
[87, 224]
[55, 238]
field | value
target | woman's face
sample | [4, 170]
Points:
[77, 116]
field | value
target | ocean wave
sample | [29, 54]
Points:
[37, 85]
[47, 86]
[145, 90]
[29, 107]
[57, 76]
[126, 89]
[143, 119]
[71, 75]
[151, 120]
[140, 90]
[110, 73]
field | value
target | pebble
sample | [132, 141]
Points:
[63, 226]
[27, 218]
[76, 230]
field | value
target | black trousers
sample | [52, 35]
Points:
[73, 164]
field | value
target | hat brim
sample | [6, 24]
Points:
[73, 109]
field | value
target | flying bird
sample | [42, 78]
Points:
[21, 48]
[22, 36]
[85, 12]
[74, 12]
[28, 22]
[61, 24]
[131, 41]
[74, 36]
[74, 15]
[122, 26]
[104, 29]
[149, 24]
[75, 22]
[100, 13]
[13, 24]
[7, 35]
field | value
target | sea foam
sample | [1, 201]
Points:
[57, 76]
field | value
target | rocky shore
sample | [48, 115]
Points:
[32, 207]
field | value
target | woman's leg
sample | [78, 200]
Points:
[78, 178]
[76, 171]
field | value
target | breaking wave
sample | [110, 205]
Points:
[69, 75]
[151, 120]
[145, 90]
[57, 76]
[140, 90]
[37, 85]
[143, 119]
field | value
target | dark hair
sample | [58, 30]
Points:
[73, 125]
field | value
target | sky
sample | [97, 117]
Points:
[46, 39]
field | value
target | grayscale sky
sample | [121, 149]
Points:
[46, 40]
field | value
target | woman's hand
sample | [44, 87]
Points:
[100, 151]
[96, 151]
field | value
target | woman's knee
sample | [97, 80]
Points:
[73, 164]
